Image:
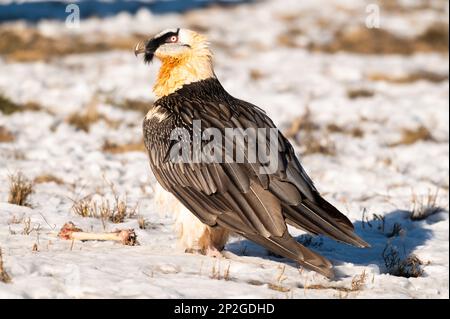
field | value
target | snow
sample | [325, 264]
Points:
[365, 175]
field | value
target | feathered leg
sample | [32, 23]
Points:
[193, 235]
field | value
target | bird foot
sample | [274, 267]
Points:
[210, 252]
[213, 252]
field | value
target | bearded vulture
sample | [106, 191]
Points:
[242, 197]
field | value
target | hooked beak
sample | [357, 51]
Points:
[139, 48]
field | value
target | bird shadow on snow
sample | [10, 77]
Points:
[394, 231]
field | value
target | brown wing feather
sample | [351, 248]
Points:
[238, 196]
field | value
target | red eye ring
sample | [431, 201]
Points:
[173, 39]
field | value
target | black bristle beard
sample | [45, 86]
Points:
[148, 57]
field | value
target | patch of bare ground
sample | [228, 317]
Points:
[364, 40]
[356, 132]
[8, 107]
[28, 44]
[90, 115]
[141, 106]
[304, 131]
[412, 136]
[114, 148]
[314, 138]
[48, 178]
[356, 93]
[398, 6]
[257, 74]
[289, 38]
[6, 136]
[419, 75]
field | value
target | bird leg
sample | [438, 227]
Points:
[193, 235]
[70, 232]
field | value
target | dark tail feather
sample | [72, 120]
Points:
[287, 247]
[321, 217]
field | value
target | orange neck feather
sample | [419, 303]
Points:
[179, 71]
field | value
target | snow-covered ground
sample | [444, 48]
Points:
[368, 176]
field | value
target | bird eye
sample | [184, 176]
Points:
[173, 39]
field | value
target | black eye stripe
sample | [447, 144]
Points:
[167, 36]
[155, 43]
[163, 38]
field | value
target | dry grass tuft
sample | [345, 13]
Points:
[83, 120]
[48, 178]
[141, 106]
[359, 281]
[363, 40]
[354, 132]
[411, 266]
[357, 284]
[379, 222]
[314, 138]
[313, 145]
[396, 231]
[421, 75]
[28, 228]
[424, 207]
[4, 277]
[278, 287]
[8, 107]
[302, 123]
[16, 220]
[113, 148]
[278, 284]
[20, 188]
[6, 136]
[435, 38]
[411, 136]
[289, 38]
[357, 93]
[84, 207]
[115, 212]
[357, 132]
[256, 74]
[218, 274]
[310, 137]
[401, 7]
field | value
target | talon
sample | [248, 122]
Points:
[213, 252]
